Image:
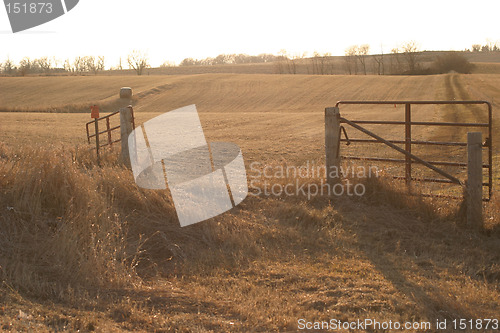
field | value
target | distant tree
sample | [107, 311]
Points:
[100, 63]
[351, 62]
[491, 45]
[379, 65]
[242, 59]
[138, 61]
[314, 63]
[167, 64]
[223, 59]
[266, 57]
[281, 62]
[8, 66]
[92, 64]
[67, 66]
[410, 51]
[44, 63]
[485, 48]
[25, 66]
[361, 53]
[187, 62]
[291, 63]
[321, 63]
[79, 65]
[488, 47]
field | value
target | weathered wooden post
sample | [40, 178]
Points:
[332, 145]
[126, 127]
[474, 185]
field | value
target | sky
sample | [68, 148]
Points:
[171, 30]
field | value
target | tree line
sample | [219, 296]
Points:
[52, 65]
[488, 47]
[404, 59]
[230, 59]
[136, 60]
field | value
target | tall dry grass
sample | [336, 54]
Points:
[68, 225]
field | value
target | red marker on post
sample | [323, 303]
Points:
[94, 112]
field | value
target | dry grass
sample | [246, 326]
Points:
[83, 248]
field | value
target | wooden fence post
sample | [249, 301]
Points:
[332, 145]
[126, 128]
[474, 185]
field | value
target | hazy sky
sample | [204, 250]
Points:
[173, 30]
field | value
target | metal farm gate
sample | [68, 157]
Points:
[334, 126]
[125, 118]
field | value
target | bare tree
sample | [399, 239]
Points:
[25, 66]
[379, 65]
[138, 61]
[395, 64]
[100, 63]
[167, 64]
[89, 64]
[45, 64]
[327, 63]
[351, 62]
[93, 64]
[281, 60]
[8, 66]
[67, 66]
[361, 53]
[79, 65]
[491, 45]
[315, 63]
[410, 50]
[321, 63]
[292, 62]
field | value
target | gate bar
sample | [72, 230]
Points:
[422, 123]
[413, 102]
[396, 160]
[429, 143]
